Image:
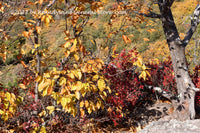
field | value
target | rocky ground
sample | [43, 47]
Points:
[173, 126]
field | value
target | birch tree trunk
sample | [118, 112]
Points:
[184, 106]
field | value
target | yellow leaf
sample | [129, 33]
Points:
[44, 84]
[6, 104]
[73, 48]
[82, 104]
[104, 93]
[12, 109]
[67, 53]
[92, 106]
[43, 130]
[89, 109]
[5, 116]
[64, 101]
[144, 67]
[11, 130]
[77, 94]
[70, 75]
[67, 44]
[38, 78]
[87, 104]
[82, 112]
[101, 84]
[22, 86]
[143, 75]
[19, 100]
[75, 41]
[95, 77]
[102, 106]
[105, 1]
[94, 88]
[79, 74]
[43, 113]
[98, 105]
[44, 93]
[62, 81]
[22, 51]
[76, 57]
[13, 97]
[74, 112]
[148, 74]
[46, 21]
[92, 41]
[43, 17]
[51, 109]
[138, 62]
[1, 112]
[36, 45]
[90, 61]
[8, 96]
[109, 90]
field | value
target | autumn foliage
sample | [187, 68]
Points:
[82, 87]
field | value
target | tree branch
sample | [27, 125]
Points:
[150, 14]
[160, 91]
[169, 3]
[194, 24]
[196, 89]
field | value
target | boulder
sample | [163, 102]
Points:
[173, 126]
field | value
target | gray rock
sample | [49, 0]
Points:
[173, 126]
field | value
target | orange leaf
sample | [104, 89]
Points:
[126, 39]
[40, 2]
[82, 49]
[50, 90]
[67, 33]
[82, 112]
[90, 61]
[151, 30]
[38, 29]
[24, 65]
[146, 39]
[30, 3]
[22, 86]
[73, 48]
[114, 49]
[25, 33]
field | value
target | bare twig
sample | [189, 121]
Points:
[194, 24]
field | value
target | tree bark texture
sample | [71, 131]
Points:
[184, 106]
